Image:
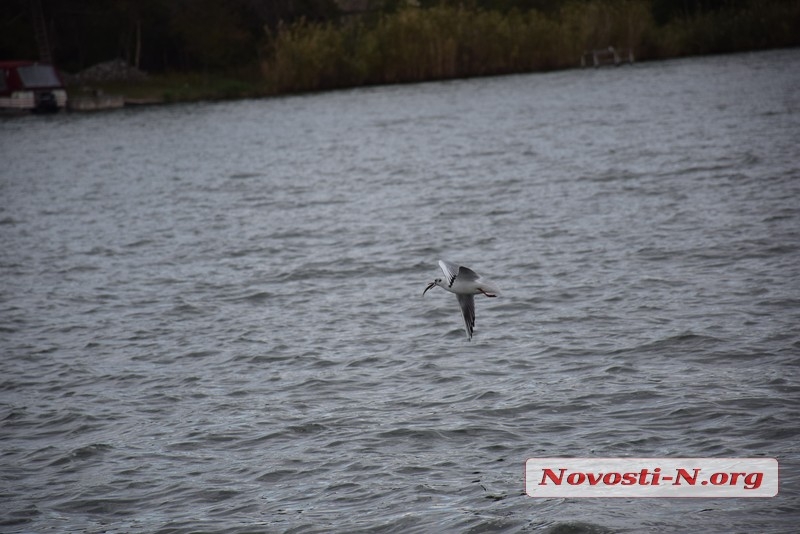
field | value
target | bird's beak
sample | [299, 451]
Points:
[432, 284]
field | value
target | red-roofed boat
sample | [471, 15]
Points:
[28, 85]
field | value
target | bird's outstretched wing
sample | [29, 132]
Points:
[450, 271]
[467, 274]
[467, 304]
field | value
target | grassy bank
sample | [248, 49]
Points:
[451, 41]
[442, 42]
[177, 87]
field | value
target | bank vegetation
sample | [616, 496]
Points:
[232, 48]
[452, 41]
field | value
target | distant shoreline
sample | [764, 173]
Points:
[195, 87]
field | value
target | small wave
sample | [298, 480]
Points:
[579, 528]
[101, 251]
[139, 243]
[84, 268]
[244, 175]
[308, 428]
[82, 453]
[683, 342]
[253, 298]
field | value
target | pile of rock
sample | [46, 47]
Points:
[116, 70]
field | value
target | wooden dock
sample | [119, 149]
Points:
[607, 56]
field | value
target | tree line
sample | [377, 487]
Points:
[318, 44]
[155, 35]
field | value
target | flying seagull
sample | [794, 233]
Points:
[464, 283]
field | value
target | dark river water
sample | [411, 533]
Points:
[211, 315]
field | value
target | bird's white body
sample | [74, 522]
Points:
[465, 283]
[465, 287]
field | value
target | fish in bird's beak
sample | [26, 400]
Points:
[432, 284]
